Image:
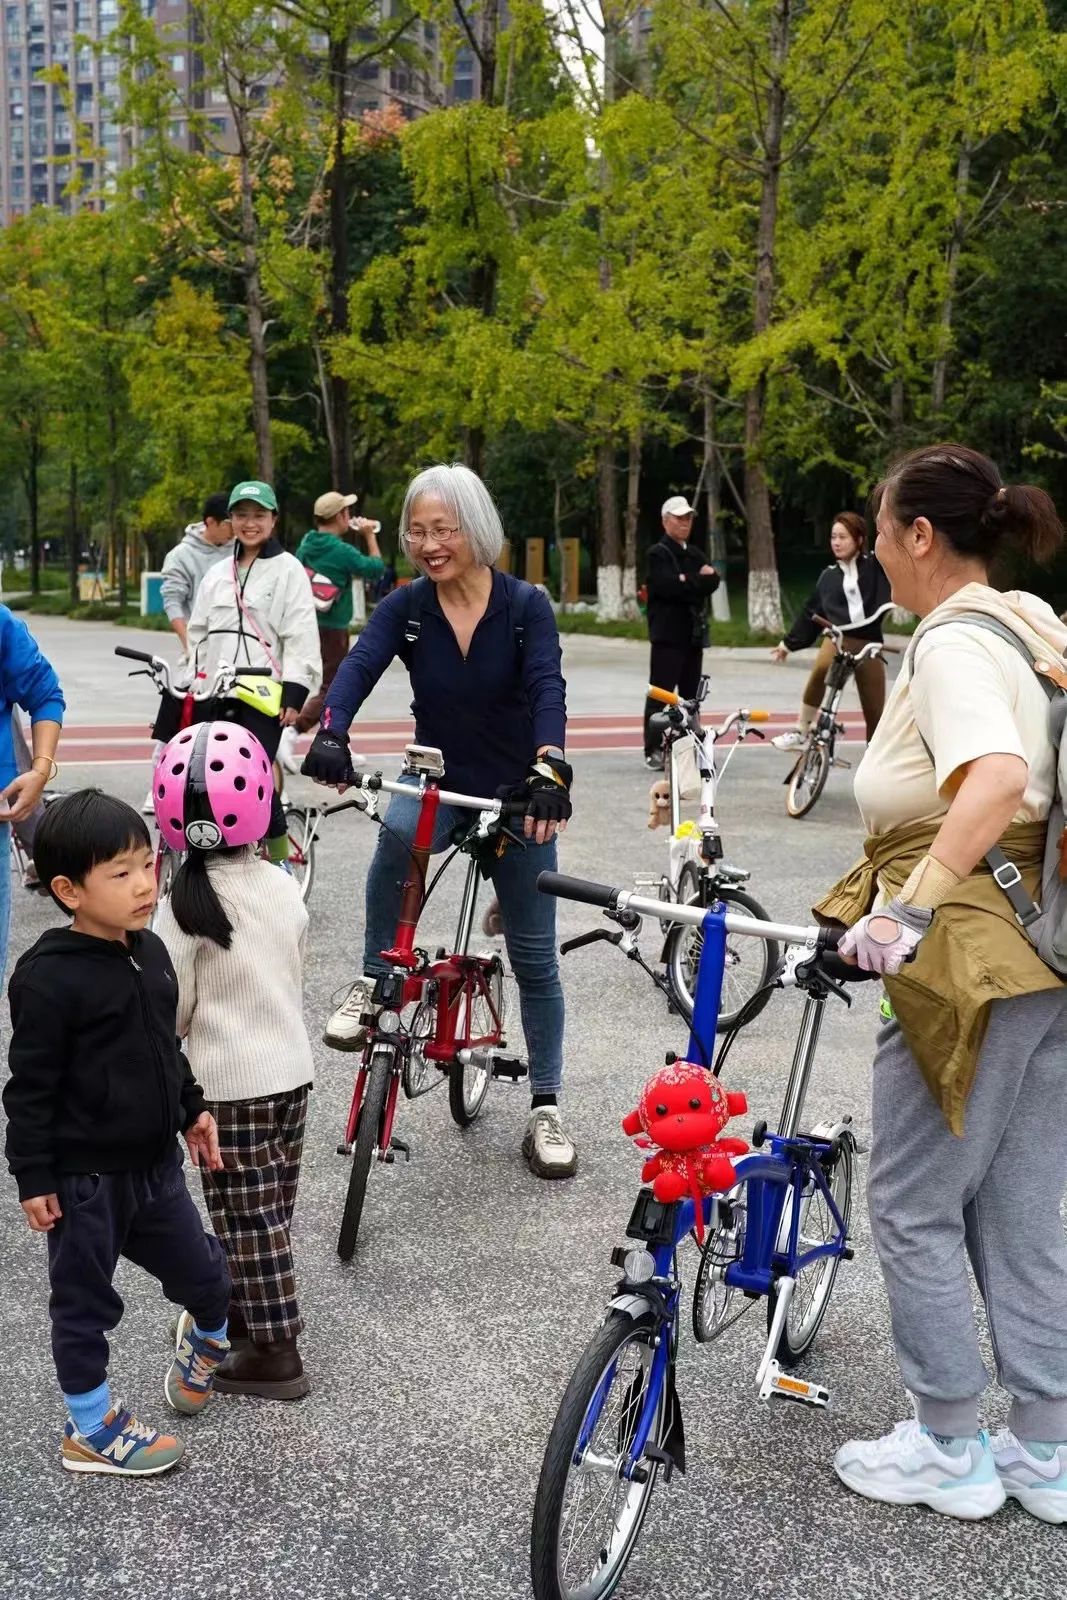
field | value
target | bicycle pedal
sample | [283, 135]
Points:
[839, 761]
[510, 1067]
[344, 1149]
[402, 1146]
[778, 1385]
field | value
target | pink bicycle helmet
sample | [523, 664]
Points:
[212, 786]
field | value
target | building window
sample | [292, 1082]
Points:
[18, 189]
[177, 63]
[83, 14]
[220, 124]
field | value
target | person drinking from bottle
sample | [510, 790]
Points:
[851, 588]
[969, 1117]
[482, 651]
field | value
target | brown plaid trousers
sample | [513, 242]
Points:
[250, 1204]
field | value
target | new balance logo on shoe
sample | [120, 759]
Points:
[119, 1448]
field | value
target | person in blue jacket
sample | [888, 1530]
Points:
[483, 654]
[28, 680]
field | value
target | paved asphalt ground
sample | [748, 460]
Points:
[439, 1356]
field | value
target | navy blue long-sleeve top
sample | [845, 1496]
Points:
[489, 712]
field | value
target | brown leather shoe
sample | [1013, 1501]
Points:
[273, 1371]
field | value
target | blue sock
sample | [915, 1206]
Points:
[217, 1334]
[87, 1411]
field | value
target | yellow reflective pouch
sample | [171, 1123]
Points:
[262, 694]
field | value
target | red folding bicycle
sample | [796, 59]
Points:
[433, 1019]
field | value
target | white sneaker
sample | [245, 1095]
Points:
[287, 757]
[908, 1467]
[1039, 1486]
[548, 1151]
[793, 740]
[148, 805]
[345, 1031]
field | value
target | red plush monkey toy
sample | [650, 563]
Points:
[682, 1110]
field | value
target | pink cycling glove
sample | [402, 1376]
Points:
[883, 940]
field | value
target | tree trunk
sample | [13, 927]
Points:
[557, 538]
[74, 551]
[939, 384]
[720, 600]
[608, 571]
[764, 598]
[629, 554]
[340, 416]
[254, 305]
[33, 505]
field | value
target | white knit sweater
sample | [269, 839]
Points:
[241, 1010]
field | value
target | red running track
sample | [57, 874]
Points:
[110, 744]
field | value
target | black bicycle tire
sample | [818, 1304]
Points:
[786, 1353]
[822, 751]
[728, 894]
[309, 875]
[457, 1102]
[370, 1117]
[614, 1333]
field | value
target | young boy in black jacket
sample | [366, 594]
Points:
[98, 1092]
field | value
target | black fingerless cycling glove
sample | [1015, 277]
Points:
[328, 760]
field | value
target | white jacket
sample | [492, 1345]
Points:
[277, 602]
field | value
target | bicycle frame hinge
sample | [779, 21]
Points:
[779, 1385]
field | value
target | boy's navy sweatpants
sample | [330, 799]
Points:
[149, 1218]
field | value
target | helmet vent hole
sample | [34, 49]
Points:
[261, 791]
[229, 821]
[178, 768]
[221, 733]
[239, 784]
[246, 753]
[216, 766]
[176, 824]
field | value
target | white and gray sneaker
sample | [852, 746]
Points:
[547, 1150]
[911, 1466]
[345, 1031]
[148, 805]
[793, 740]
[1038, 1482]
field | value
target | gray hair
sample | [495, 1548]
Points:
[468, 500]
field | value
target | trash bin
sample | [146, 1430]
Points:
[151, 594]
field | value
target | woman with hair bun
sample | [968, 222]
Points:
[482, 651]
[851, 588]
[969, 1112]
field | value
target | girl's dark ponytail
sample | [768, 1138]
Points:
[1023, 517]
[197, 908]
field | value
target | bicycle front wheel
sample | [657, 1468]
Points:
[368, 1134]
[815, 1283]
[807, 779]
[300, 830]
[587, 1516]
[480, 1016]
[750, 963]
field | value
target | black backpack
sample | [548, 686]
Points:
[418, 592]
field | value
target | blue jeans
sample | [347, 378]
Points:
[529, 922]
[5, 895]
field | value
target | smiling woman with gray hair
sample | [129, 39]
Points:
[482, 650]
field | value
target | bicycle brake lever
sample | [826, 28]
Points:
[593, 937]
[754, 733]
[516, 838]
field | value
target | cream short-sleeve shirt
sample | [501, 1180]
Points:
[969, 694]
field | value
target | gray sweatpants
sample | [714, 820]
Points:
[994, 1194]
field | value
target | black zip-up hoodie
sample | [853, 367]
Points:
[98, 1081]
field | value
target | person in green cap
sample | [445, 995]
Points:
[257, 610]
[332, 564]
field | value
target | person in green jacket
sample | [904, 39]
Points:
[324, 552]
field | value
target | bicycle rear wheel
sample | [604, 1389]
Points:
[815, 1283]
[587, 1517]
[368, 1134]
[300, 830]
[807, 779]
[750, 963]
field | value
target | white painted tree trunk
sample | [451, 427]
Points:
[609, 594]
[900, 617]
[630, 608]
[359, 601]
[764, 602]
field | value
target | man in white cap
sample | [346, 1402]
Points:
[680, 582]
[331, 565]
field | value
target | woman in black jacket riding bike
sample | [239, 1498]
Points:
[853, 587]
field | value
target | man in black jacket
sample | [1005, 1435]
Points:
[98, 1092]
[680, 582]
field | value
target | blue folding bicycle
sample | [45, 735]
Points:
[779, 1235]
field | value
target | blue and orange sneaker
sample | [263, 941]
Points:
[191, 1374]
[121, 1445]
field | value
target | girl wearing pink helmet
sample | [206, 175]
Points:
[235, 928]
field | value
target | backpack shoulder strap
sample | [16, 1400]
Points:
[519, 593]
[415, 597]
[981, 619]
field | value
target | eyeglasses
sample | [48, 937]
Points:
[415, 538]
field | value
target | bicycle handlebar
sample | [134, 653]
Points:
[470, 802]
[135, 655]
[159, 668]
[611, 899]
[850, 627]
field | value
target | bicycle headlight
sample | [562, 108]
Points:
[639, 1265]
[388, 1022]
